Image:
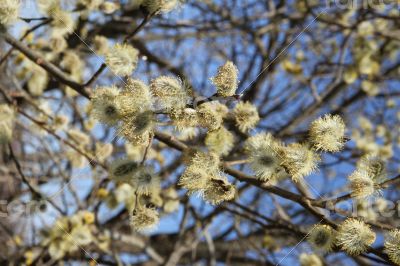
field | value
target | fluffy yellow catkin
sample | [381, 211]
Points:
[160, 6]
[145, 181]
[366, 178]
[139, 128]
[226, 79]
[210, 115]
[194, 179]
[203, 176]
[218, 189]
[122, 59]
[135, 98]
[62, 22]
[361, 183]
[322, 237]
[220, 141]
[327, 133]
[109, 7]
[264, 157]
[9, 10]
[375, 167]
[354, 236]
[392, 245]
[170, 92]
[185, 118]
[143, 218]
[105, 105]
[79, 137]
[298, 160]
[201, 169]
[123, 170]
[310, 260]
[90, 4]
[101, 44]
[246, 116]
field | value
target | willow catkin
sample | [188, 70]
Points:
[145, 181]
[298, 160]
[135, 98]
[327, 133]
[170, 92]
[246, 116]
[220, 141]
[143, 218]
[310, 260]
[139, 128]
[322, 237]
[9, 11]
[122, 59]
[159, 6]
[264, 157]
[354, 236]
[123, 170]
[226, 79]
[392, 244]
[105, 105]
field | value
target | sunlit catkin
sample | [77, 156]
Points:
[145, 181]
[109, 7]
[62, 22]
[264, 157]
[9, 10]
[135, 98]
[79, 137]
[220, 141]
[201, 169]
[122, 59]
[185, 118]
[322, 237]
[361, 183]
[194, 179]
[354, 236]
[327, 133]
[246, 116]
[374, 166]
[123, 170]
[159, 6]
[169, 92]
[392, 245]
[218, 189]
[101, 44]
[226, 79]
[298, 160]
[105, 105]
[310, 260]
[90, 4]
[139, 128]
[209, 116]
[143, 218]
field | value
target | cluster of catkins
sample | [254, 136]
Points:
[69, 233]
[137, 109]
[354, 237]
[272, 160]
[63, 20]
